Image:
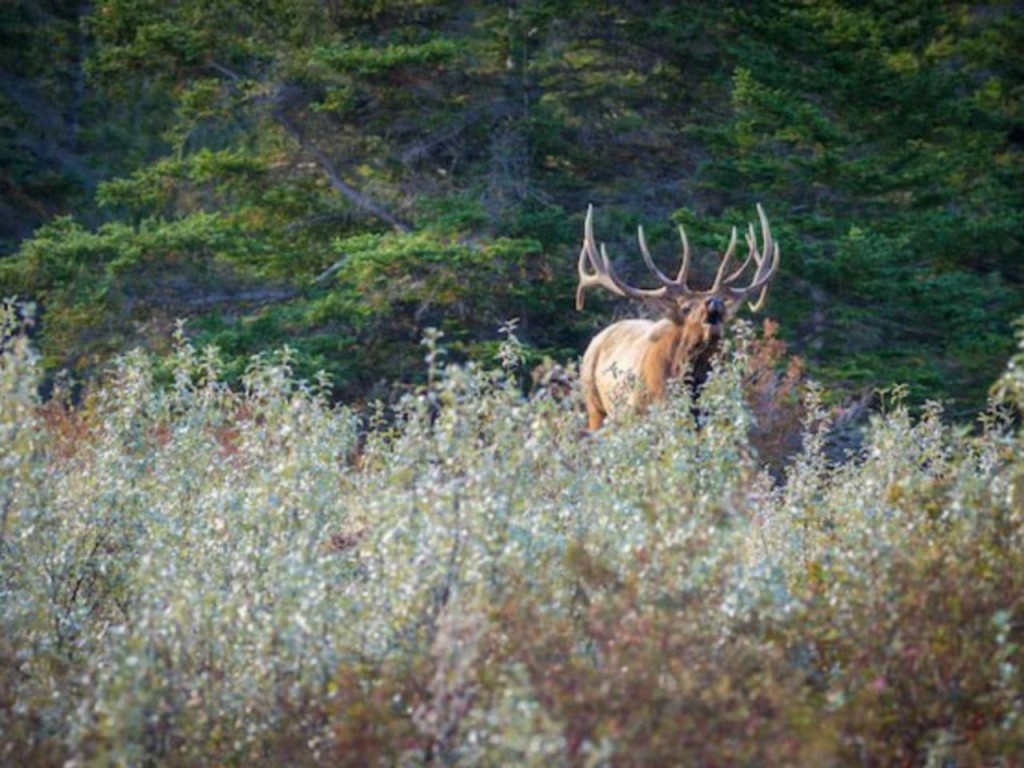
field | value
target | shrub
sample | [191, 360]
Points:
[194, 575]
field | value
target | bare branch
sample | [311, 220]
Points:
[339, 185]
[331, 269]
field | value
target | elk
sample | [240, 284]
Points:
[629, 363]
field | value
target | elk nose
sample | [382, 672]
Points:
[716, 310]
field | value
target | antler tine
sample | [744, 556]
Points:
[595, 268]
[767, 262]
[587, 254]
[766, 231]
[603, 273]
[717, 285]
[762, 282]
[662, 277]
[751, 254]
[756, 305]
[677, 287]
[685, 266]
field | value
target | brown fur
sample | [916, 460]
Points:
[651, 353]
[629, 363]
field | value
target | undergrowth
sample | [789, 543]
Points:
[198, 575]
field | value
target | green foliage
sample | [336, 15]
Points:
[209, 561]
[124, 283]
[868, 120]
[193, 574]
[41, 174]
[1009, 389]
[369, 60]
[381, 296]
[883, 140]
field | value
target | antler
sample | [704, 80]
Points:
[603, 274]
[595, 268]
[767, 262]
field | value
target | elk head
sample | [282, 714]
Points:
[629, 363]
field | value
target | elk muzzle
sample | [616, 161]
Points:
[715, 311]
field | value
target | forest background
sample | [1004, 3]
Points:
[341, 176]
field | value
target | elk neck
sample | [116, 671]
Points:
[680, 347]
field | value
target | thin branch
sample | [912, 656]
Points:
[331, 269]
[228, 73]
[453, 129]
[340, 186]
[316, 221]
[255, 296]
[346, 190]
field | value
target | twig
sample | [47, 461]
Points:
[346, 190]
[331, 269]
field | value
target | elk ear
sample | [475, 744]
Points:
[666, 308]
[678, 311]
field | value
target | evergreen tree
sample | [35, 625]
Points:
[327, 174]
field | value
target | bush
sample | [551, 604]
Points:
[197, 575]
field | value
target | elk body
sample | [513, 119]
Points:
[630, 362]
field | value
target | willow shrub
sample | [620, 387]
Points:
[199, 575]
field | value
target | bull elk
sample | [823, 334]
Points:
[629, 363]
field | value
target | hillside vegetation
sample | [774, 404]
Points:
[340, 176]
[305, 256]
[200, 575]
